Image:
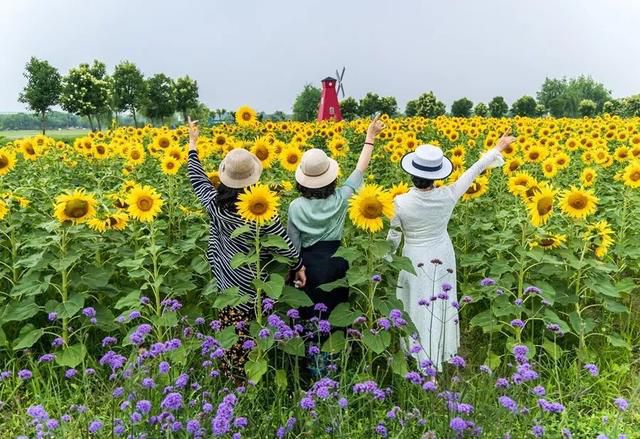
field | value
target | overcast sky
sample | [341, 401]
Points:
[261, 53]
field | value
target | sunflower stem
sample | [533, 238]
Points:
[258, 303]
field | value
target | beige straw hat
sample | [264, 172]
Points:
[316, 170]
[239, 169]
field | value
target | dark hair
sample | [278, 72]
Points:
[421, 183]
[228, 197]
[319, 193]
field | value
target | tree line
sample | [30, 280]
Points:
[574, 97]
[88, 91]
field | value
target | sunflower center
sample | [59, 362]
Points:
[635, 176]
[220, 140]
[135, 155]
[29, 149]
[578, 201]
[372, 209]
[4, 162]
[547, 242]
[513, 166]
[170, 165]
[259, 207]
[292, 158]
[534, 155]
[76, 208]
[246, 116]
[544, 206]
[145, 203]
[100, 149]
[262, 153]
[175, 155]
[475, 187]
[163, 143]
[112, 221]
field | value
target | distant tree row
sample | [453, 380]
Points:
[88, 91]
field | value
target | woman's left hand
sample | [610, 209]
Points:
[301, 278]
[194, 132]
[375, 127]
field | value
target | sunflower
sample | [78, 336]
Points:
[175, 152]
[245, 115]
[135, 155]
[511, 166]
[77, 207]
[600, 234]
[214, 178]
[4, 209]
[399, 189]
[369, 206]
[541, 205]
[479, 187]
[169, 165]
[144, 203]
[7, 162]
[290, 158]
[562, 160]
[263, 149]
[631, 176]
[535, 154]
[117, 221]
[548, 242]
[338, 147]
[520, 182]
[101, 151]
[549, 168]
[588, 176]
[456, 161]
[163, 141]
[257, 204]
[578, 203]
[97, 224]
[29, 149]
[621, 153]
[287, 186]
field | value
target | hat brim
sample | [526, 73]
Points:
[407, 165]
[318, 181]
[239, 183]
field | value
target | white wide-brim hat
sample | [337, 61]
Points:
[316, 170]
[427, 161]
[240, 169]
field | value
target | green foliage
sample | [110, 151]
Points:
[630, 106]
[186, 96]
[411, 109]
[427, 105]
[525, 106]
[562, 97]
[481, 109]
[349, 108]
[461, 108]
[43, 88]
[371, 103]
[128, 89]
[498, 107]
[305, 107]
[587, 108]
[160, 101]
[85, 91]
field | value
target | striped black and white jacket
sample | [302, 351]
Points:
[222, 247]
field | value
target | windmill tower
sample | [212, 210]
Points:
[329, 108]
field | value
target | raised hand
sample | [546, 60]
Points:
[375, 127]
[506, 140]
[194, 132]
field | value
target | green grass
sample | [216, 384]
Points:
[56, 134]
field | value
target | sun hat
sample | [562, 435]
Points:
[316, 170]
[239, 169]
[427, 161]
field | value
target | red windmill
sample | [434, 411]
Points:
[329, 107]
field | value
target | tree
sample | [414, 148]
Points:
[563, 96]
[412, 108]
[587, 108]
[524, 106]
[461, 108]
[186, 95]
[85, 91]
[388, 105]
[305, 107]
[349, 108]
[585, 87]
[279, 116]
[481, 109]
[160, 101]
[42, 91]
[612, 107]
[552, 95]
[498, 107]
[128, 89]
[427, 105]
[540, 110]
[369, 104]
[630, 106]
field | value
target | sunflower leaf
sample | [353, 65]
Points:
[240, 230]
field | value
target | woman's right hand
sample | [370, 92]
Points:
[194, 132]
[375, 127]
[506, 140]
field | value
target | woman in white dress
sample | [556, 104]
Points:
[422, 216]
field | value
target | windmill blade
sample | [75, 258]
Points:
[341, 89]
[338, 75]
[342, 74]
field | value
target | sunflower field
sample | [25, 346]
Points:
[108, 314]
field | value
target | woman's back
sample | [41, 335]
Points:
[424, 215]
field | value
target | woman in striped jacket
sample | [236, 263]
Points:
[238, 170]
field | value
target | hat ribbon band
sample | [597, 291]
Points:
[426, 168]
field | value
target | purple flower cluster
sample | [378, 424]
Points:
[222, 421]
[171, 305]
[138, 336]
[369, 387]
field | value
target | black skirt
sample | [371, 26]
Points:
[322, 268]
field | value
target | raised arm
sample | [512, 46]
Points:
[202, 186]
[375, 127]
[466, 179]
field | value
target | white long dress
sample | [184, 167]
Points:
[422, 217]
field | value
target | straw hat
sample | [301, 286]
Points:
[239, 169]
[427, 161]
[316, 170]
